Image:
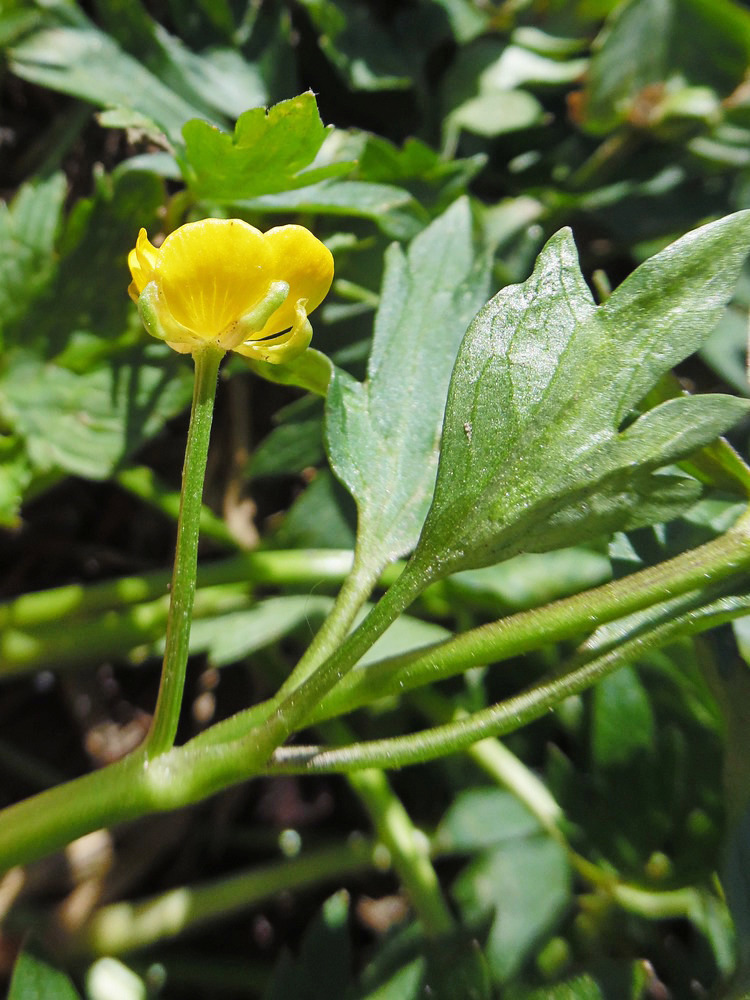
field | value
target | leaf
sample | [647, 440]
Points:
[16, 475]
[415, 162]
[28, 227]
[445, 968]
[623, 722]
[89, 423]
[484, 817]
[310, 371]
[467, 19]
[494, 114]
[323, 967]
[35, 978]
[383, 435]
[405, 984]
[231, 637]
[581, 988]
[81, 387]
[295, 445]
[67, 306]
[651, 50]
[366, 55]
[86, 63]
[526, 882]
[392, 208]
[536, 451]
[267, 153]
[406, 633]
[530, 580]
[217, 81]
[321, 517]
[736, 882]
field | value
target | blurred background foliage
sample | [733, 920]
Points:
[628, 121]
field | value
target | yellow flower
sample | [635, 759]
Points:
[223, 282]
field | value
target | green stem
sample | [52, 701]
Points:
[356, 589]
[112, 634]
[124, 927]
[408, 847]
[56, 816]
[290, 568]
[499, 763]
[169, 701]
[717, 560]
[50, 819]
[506, 716]
[293, 712]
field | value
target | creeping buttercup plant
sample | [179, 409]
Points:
[510, 509]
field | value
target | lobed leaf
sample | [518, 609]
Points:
[267, 153]
[536, 452]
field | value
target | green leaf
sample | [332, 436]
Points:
[35, 978]
[405, 634]
[231, 637]
[217, 81]
[321, 517]
[359, 46]
[296, 444]
[484, 817]
[467, 19]
[81, 386]
[267, 153]
[28, 228]
[416, 164]
[526, 882]
[651, 51]
[737, 888]
[68, 315]
[392, 208]
[623, 722]
[322, 969]
[90, 423]
[494, 114]
[405, 984]
[383, 435]
[16, 475]
[536, 451]
[85, 62]
[530, 580]
[310, 371]
[446, 968]
[581, 988]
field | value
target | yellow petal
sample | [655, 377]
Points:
[212, 272]
[306, 264]
[142, 263]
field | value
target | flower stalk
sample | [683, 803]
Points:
[166, 716]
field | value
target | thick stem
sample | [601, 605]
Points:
[169, 701]
[56, 816]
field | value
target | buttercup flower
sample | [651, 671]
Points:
[222, 281]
